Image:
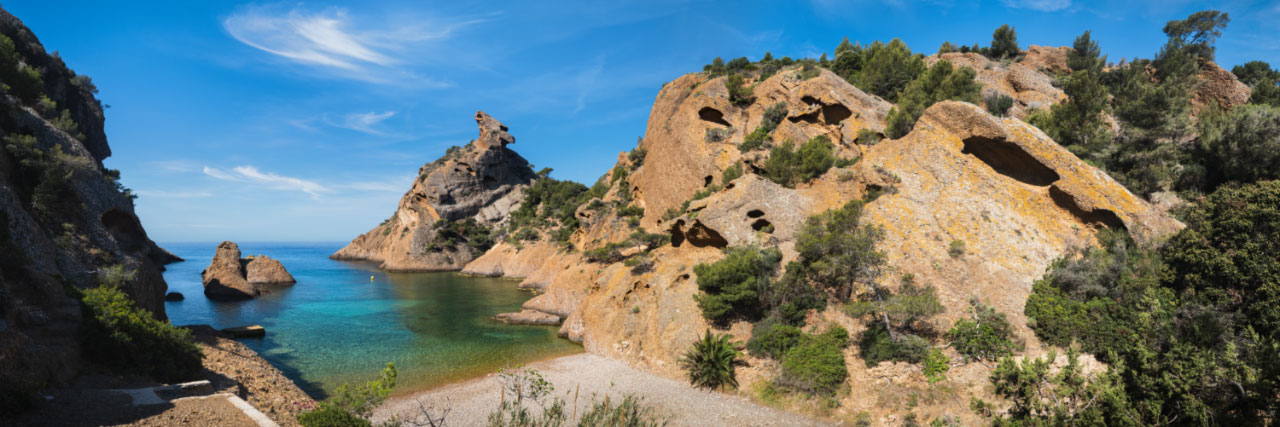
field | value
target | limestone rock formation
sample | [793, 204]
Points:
[225, 276]
[79, 231]
[231, 277]
[1218, 88]
[264, 270]
[1023, 81]
[481, 181]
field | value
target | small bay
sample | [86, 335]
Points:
[343, 321]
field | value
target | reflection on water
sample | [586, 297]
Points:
[336, 325]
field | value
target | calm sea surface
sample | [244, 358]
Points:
[337, 325]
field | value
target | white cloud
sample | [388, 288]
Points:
[1040, 5]
[183, 194]
[361, 122]
[333, 40]
[251, 174]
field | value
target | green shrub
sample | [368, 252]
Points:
[773, 116]
[772, 338]
[875, 346]
[120, 335]
[756, 140]
[1004, 43]
[631, 411]
[738, 94]
[837, 252]
[868, 137]
[731, 173]
[886, 69]
[631, 211]
[1263, 81]
[23, 81]
[637, 155]
[998, 104]
[719, 135]
[43, 177]
[710, 362]
[1069, 397]
[935, 366]
[987, 335]
[815, 364]
[448, 233]
[731, 286]
[1242, 145]
[939, 83]
[331, 417]
[789, 167]
[1085, 54]
[956, 249]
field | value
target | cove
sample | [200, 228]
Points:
[336, 325]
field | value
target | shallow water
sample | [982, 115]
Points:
[337, 325]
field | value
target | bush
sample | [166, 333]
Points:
[23, 81]
[738, 94]
[630, 412]
[772, 338]
[731, 173]
[789, 167]
[987, 335]
[773, 116]
[837, 252]
[1004, 43]
[939, 83]
[1242, 146]
[710, 362]
[815, 365]
[731, 286]
[43, 177]
[120, 335]
[875, 346]
[331, 417]
[935, 366]
[956, 249]
[886, 69]
[756, 140]
[868, 137]
[998, 104]
[1085, 54]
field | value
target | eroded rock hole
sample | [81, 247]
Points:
[1102, 217]
[1010, 160]
[809, 100]
[706, 182]
[761, 224]
[835, 113]
[699, 235]
[755, 213]
[677, 233]
[807, 117]
[490, 180]
[713, 115]
[124, 227]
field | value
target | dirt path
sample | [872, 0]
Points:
[472, 401]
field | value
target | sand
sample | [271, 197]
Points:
[471, 401]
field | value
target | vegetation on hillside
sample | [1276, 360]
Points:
[116, 333]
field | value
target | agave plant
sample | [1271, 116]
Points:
[710, 361]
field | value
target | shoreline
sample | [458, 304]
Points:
[591, 376]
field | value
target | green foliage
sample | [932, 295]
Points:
[731, 173]
[985, 335]
[1262, 79]
[710, 361]
[935, 366]
[947, 47]
[612, 252]
[788, 167]
[329, 416]
[120, 335]
[815, 364]
[1068, 397]
[553, 202]
[631, 411]
[476, 236]
[759, 138]
[636, 156]
[731, 286]
[1004, 43]
[939, 83]
[876, 345]
[43, 177]
[1195, 34]
[772, 338]
[868, 137]
[883, 70]
[739, 95]
[837, 253]
[1078, 123]
[1242, 145]
[998, 104]
[756, 140]
[1085, 54]
[956, 249]
[23, 81]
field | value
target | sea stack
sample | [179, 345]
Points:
[231, 277]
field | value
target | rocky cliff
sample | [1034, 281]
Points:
[1014, 197]
[64, 219]
[479, 182]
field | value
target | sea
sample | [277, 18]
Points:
[344, 321]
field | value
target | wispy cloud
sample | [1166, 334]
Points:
[361, 122]
[332, 40]
[1040, 5]
[177, 165]
[183, 194]
[251, 174]
[396, 184]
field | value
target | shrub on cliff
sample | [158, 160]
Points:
[941, 82]
[120, 335]
[772, 337]
[23, 81]
[815, 364]
[42, 178]
[1264, 81]
[885, 70]
[788, 166]
[731, 286]
[1004, 43]
[1242, 146]
[986, 335]
[709, 362]
[837, 252]
[739, 94]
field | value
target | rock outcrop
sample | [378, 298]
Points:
[481, 181]
[1217, 88]
[231, 277]
[1024, 81]
[63, 220]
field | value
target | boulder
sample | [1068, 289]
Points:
[1024, 81]
[529, 317]
[174, 296]
[225, 276]
[1218, 88]
[263, 270]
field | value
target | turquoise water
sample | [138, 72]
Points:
[336, 325]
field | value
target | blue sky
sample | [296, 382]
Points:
[306, 121]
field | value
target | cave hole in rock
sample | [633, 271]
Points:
[755, 213]
[1010, 160]
[1101, 217]
[677, 233]
[713, 115]
[810, 100]
[124, 227]
[701, 236]
[760, 224]
[835, 113]
[490, 180]
[811, 117]
[706, 182]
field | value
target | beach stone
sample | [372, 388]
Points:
[174, 296]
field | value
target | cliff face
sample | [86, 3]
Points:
[63, 219]
[481, 181]
[1016, 199]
